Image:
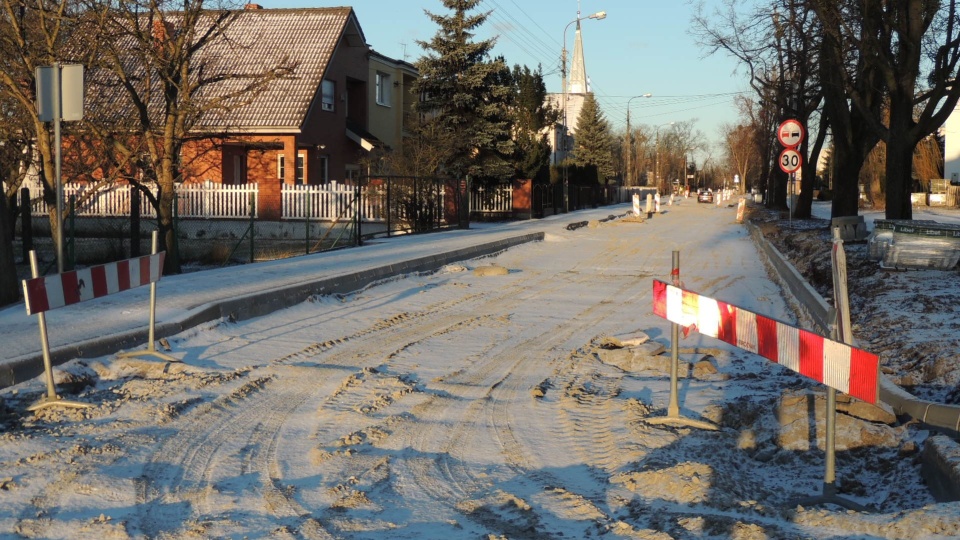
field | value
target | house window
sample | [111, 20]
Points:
[383, 89]
[353, 174]
[329, 95]
[281, 167]
[301, 160]
[239, 174]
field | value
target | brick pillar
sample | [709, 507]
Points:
[522, 199]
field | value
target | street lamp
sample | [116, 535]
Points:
[657, 164]
[630, 140]
[563, 74]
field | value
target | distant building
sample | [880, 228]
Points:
[951, 147]
[577, 88]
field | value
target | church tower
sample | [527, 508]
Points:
[578, 69]
[570, 100]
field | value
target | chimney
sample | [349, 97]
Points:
[253, 6]
[160, 32]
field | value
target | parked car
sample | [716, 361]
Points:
[705, 195]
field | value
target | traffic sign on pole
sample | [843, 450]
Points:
[790, 160]
[790, 133]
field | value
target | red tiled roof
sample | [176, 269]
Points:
[255, 41]
[262, 38]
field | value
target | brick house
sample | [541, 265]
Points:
[313, 126]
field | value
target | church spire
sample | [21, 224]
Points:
[578, 69]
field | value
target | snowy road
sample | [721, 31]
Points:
[455, 405]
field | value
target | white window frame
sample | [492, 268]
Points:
[383, 89]
[281, 167]
[328, 99]
[301, 168]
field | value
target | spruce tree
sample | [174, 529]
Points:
[594, 143]
[532, 114]
[463, 93]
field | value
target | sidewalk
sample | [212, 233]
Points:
[120, 321]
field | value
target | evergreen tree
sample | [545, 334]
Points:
[532, 114]
[464, 93]
[594, 143]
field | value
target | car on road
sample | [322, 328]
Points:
[705, 195]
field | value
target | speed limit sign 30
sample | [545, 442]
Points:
[790, 160]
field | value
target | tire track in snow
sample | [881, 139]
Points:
[495, 385]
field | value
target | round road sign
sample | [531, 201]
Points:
[790, 133]
[790, 160]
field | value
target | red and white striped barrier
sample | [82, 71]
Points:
[835, 364]
[58, 290]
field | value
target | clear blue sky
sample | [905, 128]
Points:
[642, 46]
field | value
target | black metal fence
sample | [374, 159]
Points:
[411, 204]
[397, 205]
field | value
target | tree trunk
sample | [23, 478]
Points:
[9, 288]
[899, 168]
[778, 189]
[808, 178]
[846, 172]
[166, 231]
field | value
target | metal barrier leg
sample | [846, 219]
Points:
[841, 331]
[673, 416]
[51, 399]
[151, 345]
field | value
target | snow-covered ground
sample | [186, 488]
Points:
[496, 398]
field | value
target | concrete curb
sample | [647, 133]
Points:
[249, 306]
[941, 459]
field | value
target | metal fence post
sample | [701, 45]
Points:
[26, 222]
[253, 214]
[134, 222]
[176, 228]
[306, 213]
[72, 251]
[389, 208]
[358, 209]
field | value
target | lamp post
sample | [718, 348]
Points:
[630, 139]
[563, 74]
[657, 164]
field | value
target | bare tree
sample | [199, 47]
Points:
[741, 151]
[35, 34]
[681, 142]
[843, 72]
[777, 44]
[641, 153]
[157, 80]
[910, 51]
[761, 118]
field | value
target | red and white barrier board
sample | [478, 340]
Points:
[835, 364]
[58, 290]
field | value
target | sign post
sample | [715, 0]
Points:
[59, 97]
[790, 133]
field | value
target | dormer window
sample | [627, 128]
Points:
[329, 95]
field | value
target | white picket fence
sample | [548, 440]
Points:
[331, 202]
[214, 201]
[491, 199]
[207, 200]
